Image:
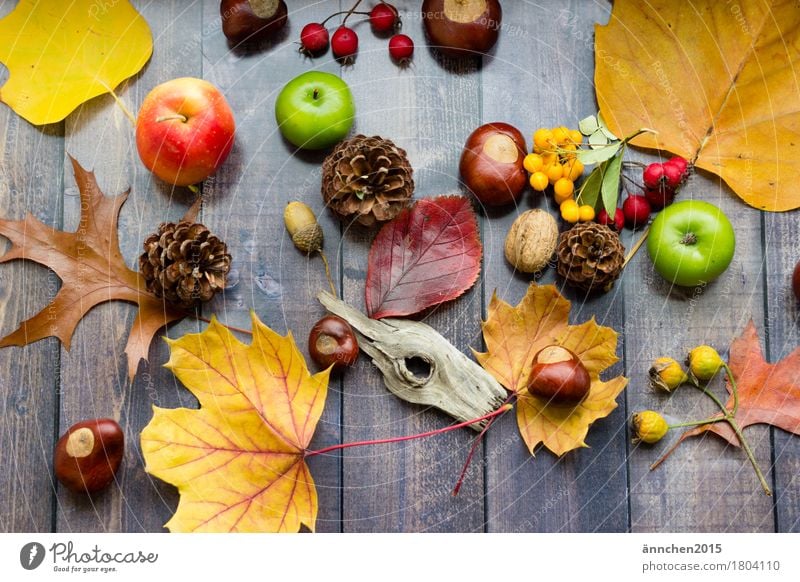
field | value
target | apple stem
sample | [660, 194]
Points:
[183, 118]
[340, 446]
[315, 94]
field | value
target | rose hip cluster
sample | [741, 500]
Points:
[384, 18]
[661, 181]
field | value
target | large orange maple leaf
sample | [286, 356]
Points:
[239, 461]
[92, 271]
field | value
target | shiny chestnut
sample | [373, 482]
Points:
[88, 455]
[250, 20]
[462, 27]
[492, 164]
[559, 376]
[332, 342]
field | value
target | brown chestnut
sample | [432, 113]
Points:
[249, 20]
[332, 342]
[462, 27]
[491, 164]
[559, 376]
[796, 281]
[88, 455]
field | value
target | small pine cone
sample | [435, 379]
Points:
[367, 179]
[184, 263]
[590, 256]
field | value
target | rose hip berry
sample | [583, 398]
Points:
[344, 43]
[681, 163]
[659, 197]
[636, 209]
[383, 17]
[314, 39]
[672, 176]
[401, 47]
[618, 223]
[653, 176]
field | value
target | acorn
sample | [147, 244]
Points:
[303, 227]
[88, 455]
[558, 376]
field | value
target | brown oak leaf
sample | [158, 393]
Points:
[768, 393]
[92, 271]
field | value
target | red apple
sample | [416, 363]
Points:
[184, 131]
[491, 164]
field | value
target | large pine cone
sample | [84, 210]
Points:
[367, 179]
[590, 256]
[184, 263]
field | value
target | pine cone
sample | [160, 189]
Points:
[367, 179]
[184, 263]
[590, 256]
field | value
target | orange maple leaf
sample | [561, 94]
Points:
[238, 461]
[92, 271]
[514, 335]
[718, 84]
[768, 393]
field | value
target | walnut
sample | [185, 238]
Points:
[531, 241]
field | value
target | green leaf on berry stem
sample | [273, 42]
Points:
[589, 192]
[601, 154]
[610, 187]
[588, 125]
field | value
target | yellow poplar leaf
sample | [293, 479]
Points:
[716, 80]
[514, 335]
[61, 54]
[238, 461]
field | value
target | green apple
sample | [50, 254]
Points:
[315, 110]
[691, 243]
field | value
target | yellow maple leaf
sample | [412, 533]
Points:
[716, 80]
[61, 54]
[514, 335]
[238, 461]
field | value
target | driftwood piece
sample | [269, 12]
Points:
[421, 366]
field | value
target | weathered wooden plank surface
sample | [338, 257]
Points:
[586, 489]
[427, 109]
[94, 373]
[782, 252]
[246, 203]
[538, 75]
[30, 181]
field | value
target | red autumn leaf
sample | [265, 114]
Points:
[427, 255]
[91, 269]
[768, 393]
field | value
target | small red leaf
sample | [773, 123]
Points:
[427, 255]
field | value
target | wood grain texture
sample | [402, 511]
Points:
[93, 374]
[782, 252]
[30, 181]
[540, 76]
[428, 109]
[246, 200]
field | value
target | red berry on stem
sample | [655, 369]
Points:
[383, 17]
[617, 223]
[659, 197]
[344, 43]
[652, 175]
[636, 209]
[681, 163]
[401, 47]
[314, 39]
[672, 176]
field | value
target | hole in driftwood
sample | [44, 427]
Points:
[420, 367]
